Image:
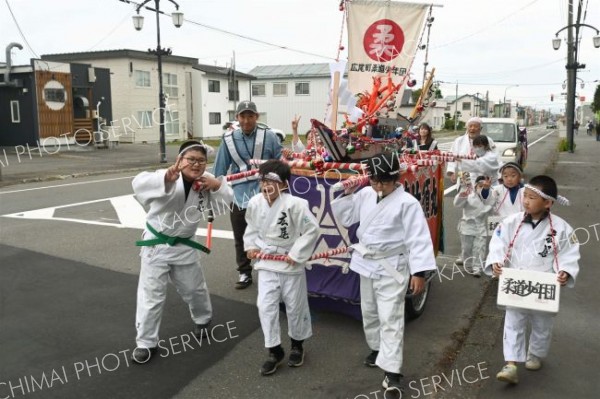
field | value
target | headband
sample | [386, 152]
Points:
[559, 198]
[271, 176]
[193, 146]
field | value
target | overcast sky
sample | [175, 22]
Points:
[484, 45]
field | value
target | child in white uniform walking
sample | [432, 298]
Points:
[532, 240]
[506, 198]
[393, 253]
[280, 224]
[472, 224]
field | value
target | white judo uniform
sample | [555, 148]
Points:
[501, 203]
[393, 234]
[472, 228]
[285, 227]
[533, 250]
[170, 214]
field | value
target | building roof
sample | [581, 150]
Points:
[124, 53]
[291, 71]
[451, 99]
[217, 70]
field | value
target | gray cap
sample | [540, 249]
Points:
[246, 106]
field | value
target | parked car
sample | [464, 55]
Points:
[511, 142]
[232, 125]
[551, 125]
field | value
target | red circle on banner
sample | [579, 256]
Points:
[383, 40]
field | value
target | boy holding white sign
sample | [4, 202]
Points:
[540, 241]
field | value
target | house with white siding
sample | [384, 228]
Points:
[199, 98]
[282, 91]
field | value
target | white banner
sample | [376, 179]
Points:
[382, 38]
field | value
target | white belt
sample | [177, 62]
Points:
[381, 258]
[271, 249]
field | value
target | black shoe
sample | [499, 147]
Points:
[296, 357]
[370, 360]
[142, 355]
[200, 330]
[391, 384]
[244, 282]
[270, 366]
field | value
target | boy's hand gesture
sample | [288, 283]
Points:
[295, 122]
[251, 254]
[174, 171]
[417, 284]
[210, 183]
[497, 269]
[562, 277]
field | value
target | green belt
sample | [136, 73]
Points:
[165, 239]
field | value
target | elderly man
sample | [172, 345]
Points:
[463, 145]
[237, 149]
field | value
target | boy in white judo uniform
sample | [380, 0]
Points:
[472, 225]
[506, 198]
[280, 224]
[177, 199]
[394, 251]
[532, 240]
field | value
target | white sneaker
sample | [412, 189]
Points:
[533, 362]
[508, 374]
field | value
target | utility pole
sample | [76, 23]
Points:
[571, 81]
[456, 109]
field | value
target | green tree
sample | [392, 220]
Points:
[596, 102]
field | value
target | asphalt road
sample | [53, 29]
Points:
[66, 250]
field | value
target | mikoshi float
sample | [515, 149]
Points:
[383, 38]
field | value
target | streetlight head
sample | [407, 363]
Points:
[596, 41]
[556, 43]
[138, 22]
[177, 18]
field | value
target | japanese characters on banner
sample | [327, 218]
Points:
[528, 290]
[382, 38]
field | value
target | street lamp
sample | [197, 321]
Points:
[573, 65]
[138, 24]
[504, 102]
[564, 85]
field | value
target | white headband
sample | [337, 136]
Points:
[559, 198]
[192, 147]
[271, 176]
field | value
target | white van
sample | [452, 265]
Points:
[511, 144]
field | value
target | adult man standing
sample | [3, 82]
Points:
[237, 148]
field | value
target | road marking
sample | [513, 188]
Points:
[65, 185]
[130, 213]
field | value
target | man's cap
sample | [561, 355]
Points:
[246, 106]
[383, 167]
[513, 165]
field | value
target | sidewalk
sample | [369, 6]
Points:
[571, 369]
[23, 165]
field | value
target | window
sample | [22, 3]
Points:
[142, 78]
[302, 88]
[466, 106]
[170, 85]
[214, 86]
[234, 92]
[280, 89]
[144, 119]
[259, 90]
[214, 118]
[172, 122]
[231, 115]
[54, 95]
[15, 114]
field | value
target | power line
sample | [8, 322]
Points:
[20, 31]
